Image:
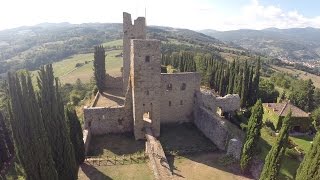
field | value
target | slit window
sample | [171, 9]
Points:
[169, 103]
[147, 59]
[169, 87]
[147, 92]
[181, 102]
[183, 86]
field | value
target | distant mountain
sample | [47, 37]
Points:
[32, 46]
[296, 44]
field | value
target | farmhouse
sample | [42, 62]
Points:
[275, 112]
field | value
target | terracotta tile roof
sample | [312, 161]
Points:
[282, 109]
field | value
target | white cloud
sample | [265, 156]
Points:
[192, 14]
[257, 16]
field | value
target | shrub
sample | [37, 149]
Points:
[270, 125]
[292, 153]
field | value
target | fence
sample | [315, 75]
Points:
[189, 150]
[116, 160]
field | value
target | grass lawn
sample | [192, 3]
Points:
[183, 136]
[118, 172]
[289, 165]
[117, 42]
[204, 166]
[303, 142]
[115, 145]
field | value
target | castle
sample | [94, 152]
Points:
[153, 98]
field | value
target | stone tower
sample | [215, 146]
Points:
[135, 31]
[145, 81]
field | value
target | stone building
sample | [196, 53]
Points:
[153, 98]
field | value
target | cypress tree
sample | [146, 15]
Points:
[99, 67]
[4, 150]
[255, 83]
[309, 167]
[30, 138]
[76, 135]
[52, 111]
[252, 136]
[250, 90]
[273, 160]
[7, 135]
[231, 77]
[244, 88]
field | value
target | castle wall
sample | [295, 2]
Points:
[102, 120]
[113, 82]
[220, 131]
[130, 31]
[177, 101]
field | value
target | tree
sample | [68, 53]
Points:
[309, 167]
[52, 110]
[99, 67]
[256, 81]
[302, 95]
[6, 135]
[316, 118]
[252, 136]
[4, 150]
[267, 92]
[76, 135]
[245, 83]
[273, 160]
[30, 138]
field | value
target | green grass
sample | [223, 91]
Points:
[115, 145]
[289, 165]
[118, 172]
[117, 42]
[303, 142]
[66, 71]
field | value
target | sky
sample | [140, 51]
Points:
[220, 15]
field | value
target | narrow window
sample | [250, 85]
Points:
[120, 121]
[169, 103]
[183, 86]
[147, 92]
[89, 124]
[181, 102]
[147, 59]
[169, 87]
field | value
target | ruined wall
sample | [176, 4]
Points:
[228, 103]
[145, 82]
[177, 96]
[130, 31]
[220, 131]
[113, 82]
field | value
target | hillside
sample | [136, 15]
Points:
[296, 44]
[30, 47]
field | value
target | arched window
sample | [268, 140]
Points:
[147, 59]
[169, 87]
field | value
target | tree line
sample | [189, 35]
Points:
[47, 137]
[223, 77]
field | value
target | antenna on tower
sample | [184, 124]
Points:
[145, 14]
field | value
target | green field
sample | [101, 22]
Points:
[300, 74]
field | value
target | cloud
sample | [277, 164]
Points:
[257, 16]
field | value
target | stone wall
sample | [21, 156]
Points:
[228, 103]
[220, 131]
[130, 31]
[177, 96]
[86, 140]
[102, 120]
[113, 82]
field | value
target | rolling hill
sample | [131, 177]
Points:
[296, 44]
